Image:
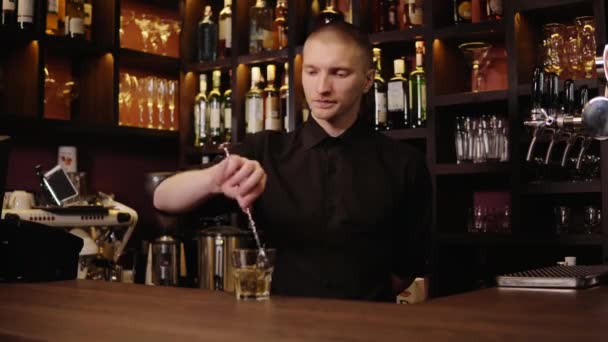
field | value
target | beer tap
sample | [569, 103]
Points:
[568, 109]
[545, 97]
[575, 135]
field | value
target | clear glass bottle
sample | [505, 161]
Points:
[260, 29]
[417, 90]
[227, 111]
[379, 89]
[207, 37]
[215, 109]
[74, 19]
[272, 117]
[397, 97]
[8, 18]
[225, 27]
[284, 98]
[25, 15]
[201, 117]
[254, 104]
[279, 29]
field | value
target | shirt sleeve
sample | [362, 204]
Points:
[411, 244]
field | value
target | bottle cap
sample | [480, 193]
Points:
[216, 77]
[270, 72]
[255, 74]
[207, 10]
[399, 65]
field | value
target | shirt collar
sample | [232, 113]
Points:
[313, 134]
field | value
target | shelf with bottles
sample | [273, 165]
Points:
[407, 35]
[469, 70]
[566, 214]
[276, 56]
[474, 31]
[396, 20]
[454, 17]
[19, 80]
[220, 64]
[562, 40]
[152, 27]
[484, 208]
[73, 48]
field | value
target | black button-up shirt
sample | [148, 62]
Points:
[343, 213]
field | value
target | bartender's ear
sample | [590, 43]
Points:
[369, 80]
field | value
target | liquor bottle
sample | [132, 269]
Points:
[260, 28]
[379, 89]
[279, 30]
[254, 104]
[417, 91]
[414, 12]
[227, 111]
[201, 117]
[25, 15]
[52, 19]
[272, 117]
[8, 19]
[462, 11]
[88, 18]
[388, 15]
[225, 41]
[329, 14]
[207, 37]
[494, 9]
[284, 98]
[74, 18]
[397, 97]
[215, 109]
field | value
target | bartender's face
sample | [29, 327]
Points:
[334, 76]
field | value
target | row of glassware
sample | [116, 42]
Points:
[147, 102]
[479, 140]
[154, 31]
[569, 50]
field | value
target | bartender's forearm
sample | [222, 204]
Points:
[185, 191]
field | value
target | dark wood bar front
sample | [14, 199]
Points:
[96, 311]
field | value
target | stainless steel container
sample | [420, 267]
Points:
[215, 246]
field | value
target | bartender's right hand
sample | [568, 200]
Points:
[240, 178]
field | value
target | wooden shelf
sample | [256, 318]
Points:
[264, 57]
[223, 64]
[562, 187]
[591, 83]
[149, 61]
[407, 134]
[397, 36]
[505, 238]
[73, 47]
[470, 168]
[527, 5]
[43, 127]
[470, 97]
[477, 30]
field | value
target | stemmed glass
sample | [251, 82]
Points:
[140, 93]
[586, 33]
[164, 30]
[150, 95]
[144, 24]
[154, 34]
[171, 94]
[161, 92]
[124, 98]
[477, 54]
[125, 21]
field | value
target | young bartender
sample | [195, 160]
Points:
[347, 208]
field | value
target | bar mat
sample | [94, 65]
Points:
[575, 277]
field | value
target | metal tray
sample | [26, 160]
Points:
[575, 277]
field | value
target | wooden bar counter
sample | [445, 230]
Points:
[94, 311]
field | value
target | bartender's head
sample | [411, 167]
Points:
[336, 72]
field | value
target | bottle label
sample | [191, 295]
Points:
[8, 5]
[51, 9]
[203, 121]
[423, 98]
[416, 14]
[226, 31]
[464, 10]
[88, 14]
[215, 117]
[396, 97]
[392, 16]
[267, 41]
[381, 107]
[25, 11]
[228, 118]
[254, 113]
[76, 26]
[197, 124]
[272, 117]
